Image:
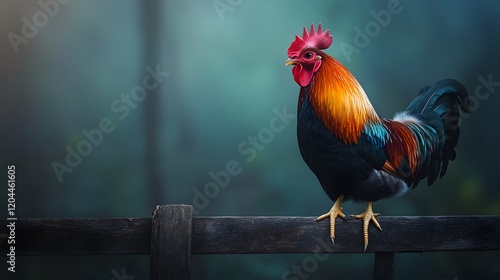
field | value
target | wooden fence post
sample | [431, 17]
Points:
[171, 242]
[383, 266]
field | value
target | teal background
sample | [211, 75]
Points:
[226, 76]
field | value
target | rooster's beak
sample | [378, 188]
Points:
[290, 62]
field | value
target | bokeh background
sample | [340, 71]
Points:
[225, 61]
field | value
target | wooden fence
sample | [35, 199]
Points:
[173, 234]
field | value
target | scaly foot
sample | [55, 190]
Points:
[335, 212]
[368, 216]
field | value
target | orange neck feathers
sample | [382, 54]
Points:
[340, 101]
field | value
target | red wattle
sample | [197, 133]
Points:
[303, 75]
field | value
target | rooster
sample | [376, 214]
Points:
[354, 153]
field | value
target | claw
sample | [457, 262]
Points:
[368, 216]
[335, 212]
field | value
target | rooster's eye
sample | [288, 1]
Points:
[308, 55]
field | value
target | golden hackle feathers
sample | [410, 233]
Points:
[340, 101]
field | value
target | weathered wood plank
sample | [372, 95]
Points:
[254, 235]
[59, 237]
[171, 243]
[383, 266]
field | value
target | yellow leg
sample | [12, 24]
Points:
[333, 213]
[368, 216]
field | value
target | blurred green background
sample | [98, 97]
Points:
[225, 61]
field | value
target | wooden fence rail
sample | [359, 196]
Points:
[173, 234]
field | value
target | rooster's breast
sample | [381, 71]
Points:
[338, 166]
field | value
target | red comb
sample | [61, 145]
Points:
[320, 40]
